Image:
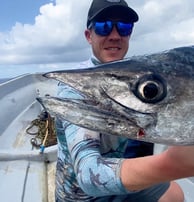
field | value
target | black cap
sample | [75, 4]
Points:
[102, 9]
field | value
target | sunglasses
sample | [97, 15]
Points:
[105, 28]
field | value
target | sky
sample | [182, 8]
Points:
[46, 35]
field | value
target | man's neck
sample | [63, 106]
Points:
[95, 61]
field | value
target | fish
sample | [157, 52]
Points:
[148, 97]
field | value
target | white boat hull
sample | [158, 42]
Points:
[26, 174]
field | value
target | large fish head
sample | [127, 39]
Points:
[158, 86]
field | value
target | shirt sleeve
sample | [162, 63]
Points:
[96, 175]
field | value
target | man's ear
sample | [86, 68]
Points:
[88, 35]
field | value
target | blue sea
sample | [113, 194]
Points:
[2, 80]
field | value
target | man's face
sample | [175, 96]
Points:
[108, 48]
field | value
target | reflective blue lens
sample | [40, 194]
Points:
[124, 29]
[105, 28]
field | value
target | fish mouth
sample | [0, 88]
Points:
[99, 117]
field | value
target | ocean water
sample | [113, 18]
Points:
[2, 80]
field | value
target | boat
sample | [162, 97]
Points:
[27, 172]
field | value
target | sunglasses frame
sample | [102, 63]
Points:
[100, 29]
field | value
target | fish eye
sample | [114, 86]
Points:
[150, 88]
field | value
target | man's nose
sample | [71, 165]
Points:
[114, 34]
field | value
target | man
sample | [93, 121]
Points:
[93, 166]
